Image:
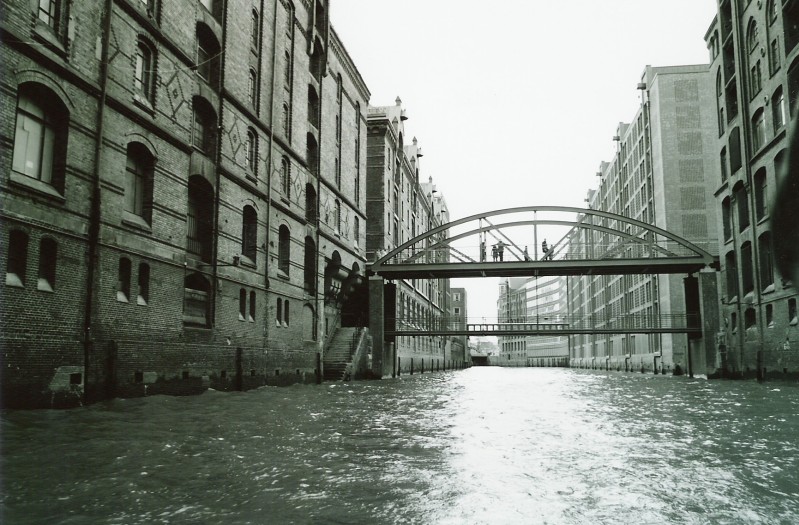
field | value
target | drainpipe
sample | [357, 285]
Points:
[218, 175]
[95, 211]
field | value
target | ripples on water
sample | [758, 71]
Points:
[485, 445]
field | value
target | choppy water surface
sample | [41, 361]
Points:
[485, 445]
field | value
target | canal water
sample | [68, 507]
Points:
[484, 445]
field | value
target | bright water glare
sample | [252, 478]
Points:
[484, 445]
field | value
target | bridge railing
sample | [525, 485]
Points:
[621, 322]
[469, 253]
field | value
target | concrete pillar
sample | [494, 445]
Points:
[709, 310]
[376, 323]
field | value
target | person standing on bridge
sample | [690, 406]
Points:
[494, 252]
[545, 249]
[500, 249]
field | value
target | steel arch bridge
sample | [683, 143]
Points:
[595, 243]
[590, 242]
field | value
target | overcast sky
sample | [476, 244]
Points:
[515, 102]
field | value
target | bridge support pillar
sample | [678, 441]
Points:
[711, 322]
[376, 323]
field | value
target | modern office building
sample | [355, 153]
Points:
[183, 197]
[400, 206]
[664, 173]
[754, 49]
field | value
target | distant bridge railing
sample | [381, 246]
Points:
[547, 325]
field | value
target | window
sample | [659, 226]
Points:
[242, 304]
[792, 319]
[759, 129]
[793, 85]
[770, 315]
[252, 88]
[766, 262]
[139, 181]
[774, 56]
[778, 110]
[143, 72]
[285, 177]
[199, 218]
[719, 102]
[123, 280]
[726, 218]
[279, 311]
[208, 52]
[750, 318]
[313, 107]
[309, 266]
[457, 310]
[734, 149]
[40, 136]
[742, 203]
[312, 154]
[144, 285]
[723, 162]
[196, 300]
[747, 276]
[50, 13]
[357, 233]
[284, 250]
[456, 297]
[751, 36]
[761, 196]
[755, 79]
[251, 151]
[251, 318]
[731, 276]
[337, 172]
[17, 258]
[204, 132]
[286, 120]
[771, 12]
[337, 217]
[48, 256]
[310, 203]
[286, 312]
[254, 30]
[287, 69]
[249, 233]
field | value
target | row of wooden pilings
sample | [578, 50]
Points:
[435, 366]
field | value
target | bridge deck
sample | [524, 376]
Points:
[418, 270]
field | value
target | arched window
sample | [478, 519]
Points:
[778, 113]
[208, 51]
[309, 266]
[40, 137]
[278, 311]
[251, 151]
[312, 153]
[252, 88]
[766, 260]
[252, 307]
[723, 163]
[761, 196]
[310, 203]
[254, 29]
[144, 72]
[284, 250]
[242, 304]
[196, 300]
[287, 69]
[285, 177]
[17, 258]
[199, 232]
[747, 275]
[755, 79]
[123, 280]
[720, 102]
[771, 12]
[726, 218]
[48, 257]
[313, 107]
[731, 275]
[286, 319]
[144, 284]
[286, 120]
[249, 233]
[204, 132]
[139, 181]
[751, 36]
[309, 323]
[759, 129]
[742, 203]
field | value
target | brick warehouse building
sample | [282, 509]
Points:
[182, 197]
[754, 51]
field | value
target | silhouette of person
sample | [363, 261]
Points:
[500, 249]
[544, 248]
[494, 252]
[482, 251]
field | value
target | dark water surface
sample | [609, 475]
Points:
[485, 445]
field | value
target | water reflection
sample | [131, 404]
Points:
[485, 445]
